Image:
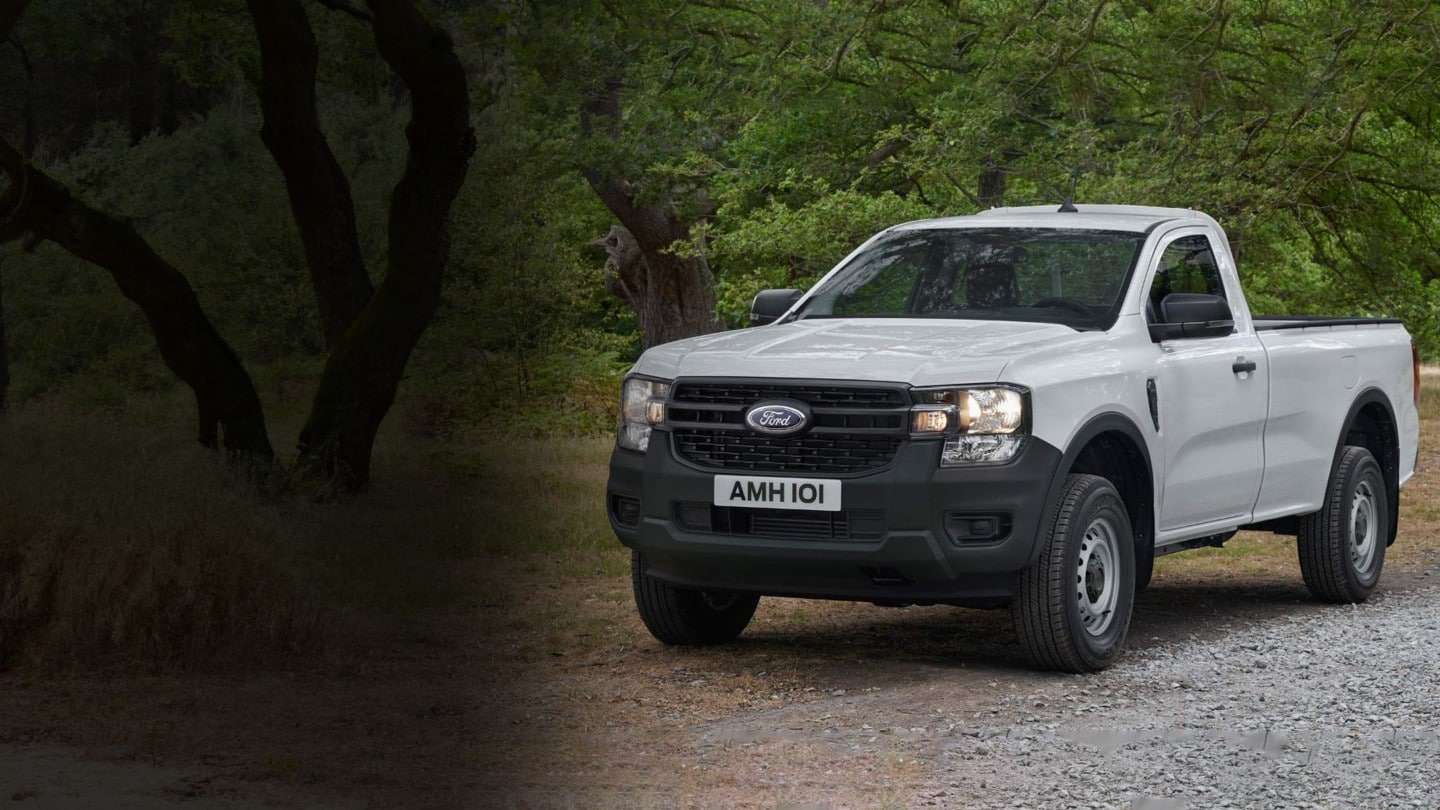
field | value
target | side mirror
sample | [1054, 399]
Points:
[771, 304]
[1192, 315]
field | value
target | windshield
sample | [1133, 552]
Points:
[1065, 276]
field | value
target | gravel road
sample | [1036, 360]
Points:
[1227, 697]
[1333, 709]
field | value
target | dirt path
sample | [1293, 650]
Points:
[61, 777]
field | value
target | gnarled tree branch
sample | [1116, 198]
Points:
[188, 343]
[318, 189]
[342, 6]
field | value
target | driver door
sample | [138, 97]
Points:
[1211, 402]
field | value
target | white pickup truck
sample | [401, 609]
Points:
[1019, 408]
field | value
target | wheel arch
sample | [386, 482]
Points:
[1370, 423]
[1110, 445]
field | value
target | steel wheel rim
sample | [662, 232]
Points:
[1363, 539]
[1097, 576]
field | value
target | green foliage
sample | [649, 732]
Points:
[1317, 152]
[211, 42]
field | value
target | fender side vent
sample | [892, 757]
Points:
[1153, 396]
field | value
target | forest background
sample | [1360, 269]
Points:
[633, 172]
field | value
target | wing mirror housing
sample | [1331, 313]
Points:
[1192, 315]
[769, 305]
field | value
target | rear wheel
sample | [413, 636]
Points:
[680, 616]
[1342, 545]
[1072, 610]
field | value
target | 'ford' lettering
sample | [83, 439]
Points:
[776, 420]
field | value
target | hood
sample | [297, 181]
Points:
[915, 351]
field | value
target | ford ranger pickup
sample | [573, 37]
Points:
[1019, 408]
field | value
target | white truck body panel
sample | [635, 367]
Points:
[1315, 374]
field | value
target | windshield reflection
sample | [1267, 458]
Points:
[1065, 276]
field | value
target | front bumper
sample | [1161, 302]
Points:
[915, 554]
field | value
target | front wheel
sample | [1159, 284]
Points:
[680, 616]
[1342, 546]
[1072, 610]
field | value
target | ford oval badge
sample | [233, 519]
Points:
[776, 419]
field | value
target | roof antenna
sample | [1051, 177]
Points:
[1068, 207]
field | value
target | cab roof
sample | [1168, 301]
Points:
[1136, 218]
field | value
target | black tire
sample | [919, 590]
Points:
[1342, 545]
[1053, 615]
[679, 616]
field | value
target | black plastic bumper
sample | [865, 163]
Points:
[915, 554]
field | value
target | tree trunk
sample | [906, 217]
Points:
[670, 303]
[318, 189]
[4, 355]
[992, 186]
[364, 368]
[673, 296]
[37, 207]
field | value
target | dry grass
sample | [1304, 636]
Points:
[124, 546]
[542, 496]
[121, 547]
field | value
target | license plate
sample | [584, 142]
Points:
[757, 492]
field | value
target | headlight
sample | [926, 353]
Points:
[980, 425]
[642, 405]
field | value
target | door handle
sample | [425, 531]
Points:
[1241, 365]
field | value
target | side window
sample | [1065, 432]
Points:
[1187, 266]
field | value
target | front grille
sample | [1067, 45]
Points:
[855, 429]
[782, 524]
[814, 452]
